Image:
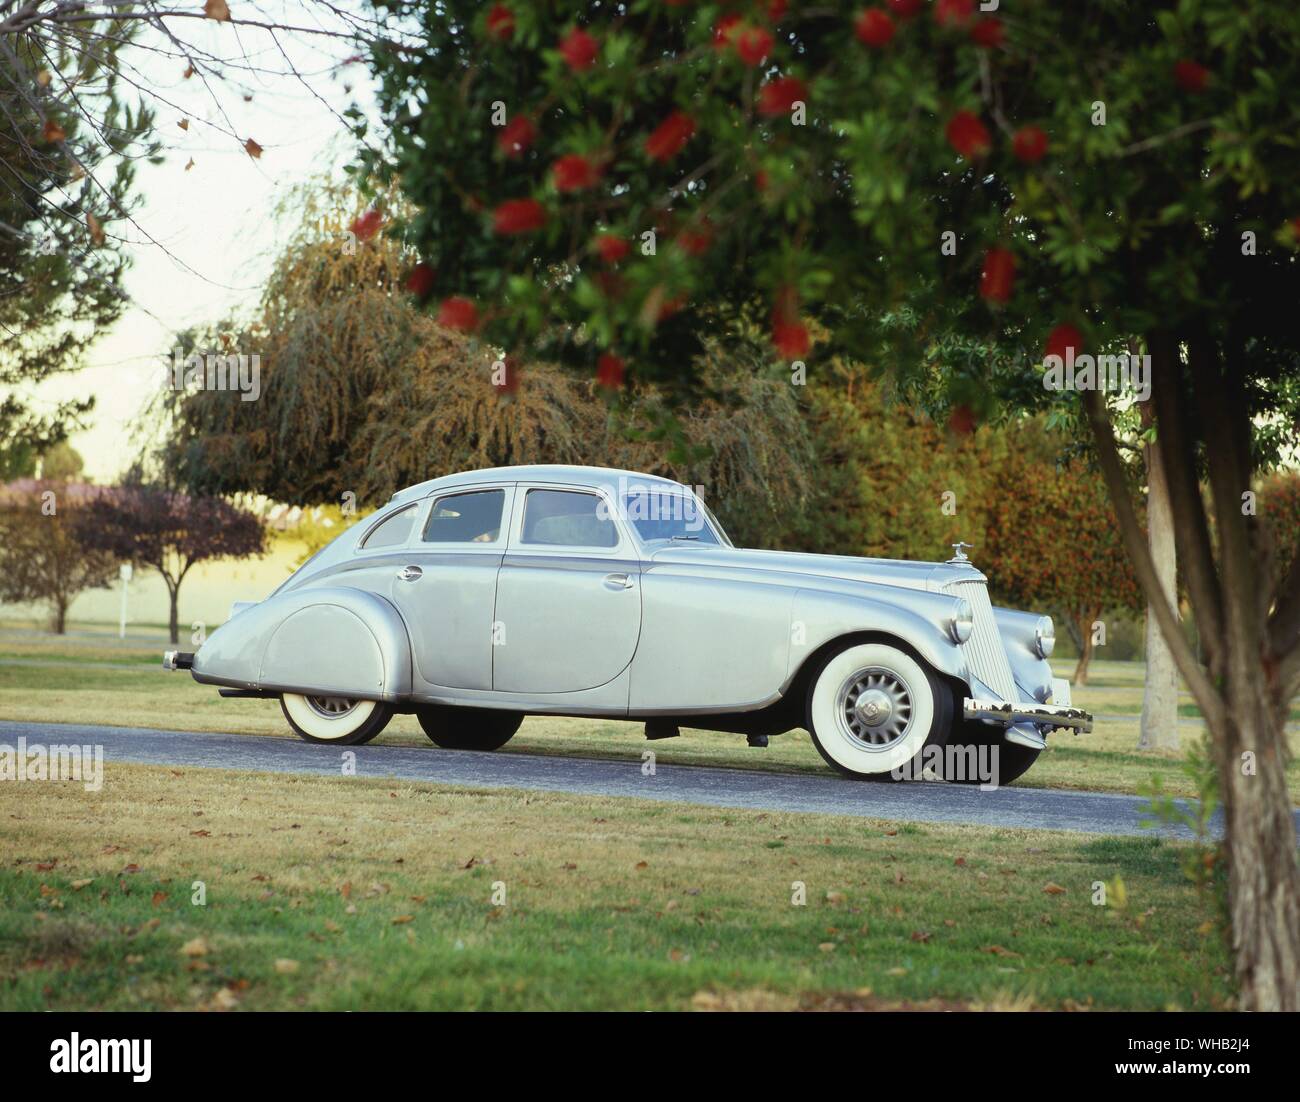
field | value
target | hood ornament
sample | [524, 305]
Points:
[959, 555]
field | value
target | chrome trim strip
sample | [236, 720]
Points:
[1005, 712]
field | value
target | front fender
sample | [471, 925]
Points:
[916, 617]
[1033, 674]
[329, 640]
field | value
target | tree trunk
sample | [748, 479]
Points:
[60, 616]
[1260, 840]
[1159, 727]
[173, 622]
[1084, 632]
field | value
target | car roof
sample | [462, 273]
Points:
[607, 477]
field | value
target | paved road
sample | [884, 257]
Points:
[1088, 812]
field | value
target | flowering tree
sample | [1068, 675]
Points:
[168, 531]
[605, 180]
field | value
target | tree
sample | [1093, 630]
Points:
[946, 164]
[1054, 542]
[42, 555]
[170, 532]
[1158, 727]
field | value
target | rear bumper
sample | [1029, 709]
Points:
[178, 660]
[1009, 714]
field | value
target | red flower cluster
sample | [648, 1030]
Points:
[612, 249]
[574, 172]
[954, 13]
[789, 334]
[778, 97]
[610, 370]
[458, 313]
[968, 135]
[365, 226]
[1029, 143]
[420, 281]
[1191, 76]
[906, 9]
[874, 27]
[1062, 338]
[695, 240]
[989, 32]
[753, 44]
[579, 50]
[518, 216]
[999, 275]
[667, 139]
[516, 136]
[500, 23]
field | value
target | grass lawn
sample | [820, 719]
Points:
[345, 893]
[92, 677]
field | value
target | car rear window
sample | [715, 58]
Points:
[466, 518]
[392, 532]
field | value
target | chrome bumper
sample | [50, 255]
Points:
[177, 660]
[1009, 714]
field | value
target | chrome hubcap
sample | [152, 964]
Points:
[331, 707]
[875, 708]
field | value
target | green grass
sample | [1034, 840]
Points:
[346, 894]
[92, 677]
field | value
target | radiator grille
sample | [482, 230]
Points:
[988, 660]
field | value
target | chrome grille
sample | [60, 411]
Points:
[984, 652]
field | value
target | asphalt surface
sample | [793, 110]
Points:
[1015, 806]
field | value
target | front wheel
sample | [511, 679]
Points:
[335, 719]
[873, 710]
[453, 728]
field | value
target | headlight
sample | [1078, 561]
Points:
[962, 622]
[1044, 637]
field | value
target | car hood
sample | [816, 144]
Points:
[895, 572]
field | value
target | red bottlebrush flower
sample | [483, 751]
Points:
[874, 27]
[612, 249]
[760, 180]
[669, 307]
[574, 172]
[420, 281]
[505, 376]
[1029, 143]
[789, 334]
[954, 13]
[669, 136]
[1060, 339]
[501, 23]
[906, 9]
[999, 275]
[962, 420]
[968, 135]
[753, 44]
[695, 240]
[610, 370]
[1191, 76]
[579, 50]
[989, 33]
[365, 226]
[776, 10]
[723, 29]
[610, 284]
[459, 313]
[778, 97]
[516, 136]
[518, 216]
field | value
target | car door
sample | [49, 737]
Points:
[445, 587]
[568, 595]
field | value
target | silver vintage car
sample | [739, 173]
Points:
[479, 598]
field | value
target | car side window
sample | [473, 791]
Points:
[392, 532]
[567, 518]
[466, 518]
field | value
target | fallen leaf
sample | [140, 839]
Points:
[642, 865]
[998, 951]
[834, 898]
[286, 967]
[827, 947]
[159, 898]
[45, 866]
[896, 972]
[921, 935]
[252, 149]
[470, 863]
[198, 947]
[345, 889]
[225, 999]
[1054, 889]
[402, 920]
[960, 862]
[200, 834]
[77, 885]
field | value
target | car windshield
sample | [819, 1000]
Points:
[667, 515]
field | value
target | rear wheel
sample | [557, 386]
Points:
[335, 719]
[468, 728]
[873, 710]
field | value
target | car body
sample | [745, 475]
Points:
[478, 598]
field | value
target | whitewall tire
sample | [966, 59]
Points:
[335, 719]
[872, 710]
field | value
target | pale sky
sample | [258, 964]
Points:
[214, 219]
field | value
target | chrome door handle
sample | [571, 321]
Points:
[410, 573]
[618, 581]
